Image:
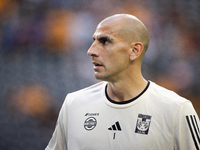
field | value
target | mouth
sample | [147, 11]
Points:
[96, 65]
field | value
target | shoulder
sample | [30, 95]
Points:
[91, 89]
[168, 102]
[166, 95]
[87, 94]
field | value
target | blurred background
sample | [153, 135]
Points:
[43, 45]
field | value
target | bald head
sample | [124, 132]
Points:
[130, 27]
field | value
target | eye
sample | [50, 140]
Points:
[104, 40]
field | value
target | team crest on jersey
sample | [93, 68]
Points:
[143, 124]
[90, 123]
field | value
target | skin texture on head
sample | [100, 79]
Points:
[120, 42]
[133, 30]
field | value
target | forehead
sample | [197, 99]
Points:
[107, 29]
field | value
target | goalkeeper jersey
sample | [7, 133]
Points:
[157, 119]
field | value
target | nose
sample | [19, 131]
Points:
[92, 51]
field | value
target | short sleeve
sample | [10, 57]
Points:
[186, 128]
[59, 137]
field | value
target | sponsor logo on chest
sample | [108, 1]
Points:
[142, 124]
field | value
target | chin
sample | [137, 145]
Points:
[98, 76]
[101, 77]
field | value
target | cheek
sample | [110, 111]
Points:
[117, 64]
[120, 58]
[117, 57]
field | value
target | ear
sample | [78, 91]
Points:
[135, 50]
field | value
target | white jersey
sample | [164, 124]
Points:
[157, 119]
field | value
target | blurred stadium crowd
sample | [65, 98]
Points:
[43, 45]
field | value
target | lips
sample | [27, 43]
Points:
[96, 65]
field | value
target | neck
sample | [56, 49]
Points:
[125, 90]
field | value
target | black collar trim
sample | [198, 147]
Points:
[127, 101]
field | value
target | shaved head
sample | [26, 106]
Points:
[130, 27]
[120, 42]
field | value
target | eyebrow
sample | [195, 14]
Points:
[103, 38]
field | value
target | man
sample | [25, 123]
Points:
[124, 111]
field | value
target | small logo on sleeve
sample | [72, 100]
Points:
[143, 124]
